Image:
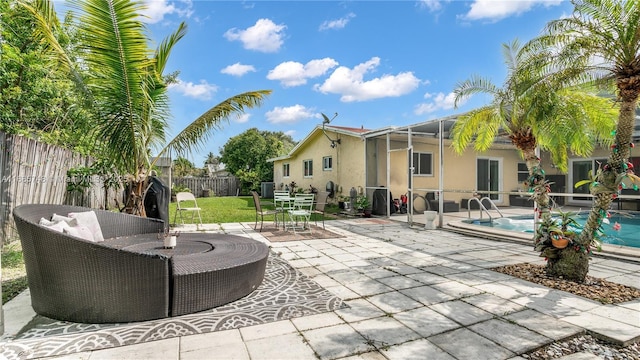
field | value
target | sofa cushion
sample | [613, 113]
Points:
[90, 220]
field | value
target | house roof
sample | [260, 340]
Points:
[348, 131]
[429, 128]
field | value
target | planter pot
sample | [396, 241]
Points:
[558, 241]
[367, 213]
[206, 193]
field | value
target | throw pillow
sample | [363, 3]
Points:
[80, 231]
[57, 218]
[90, 220]
[58, 226]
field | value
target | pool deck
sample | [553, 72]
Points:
[411, 294]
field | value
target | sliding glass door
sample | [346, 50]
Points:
[582, 169]
[488, 172]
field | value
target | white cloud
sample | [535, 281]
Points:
[264, 36]
[440, 102]
[496, 10]
[243, 118]
[238, 69]
[432, 5]
[288, 115]
[336, 24]
[155, 10]
[202, 91]
[292, 73]
[350, 83]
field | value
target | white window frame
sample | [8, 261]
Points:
[417, 167]
[521, 172]
[287, 173]
[310, 168]
[500, 162]
[571, 180]
[328, 159]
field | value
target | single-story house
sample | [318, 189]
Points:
[418, 160]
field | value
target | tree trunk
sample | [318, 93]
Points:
[570, 265]
[135, 198]
[605, 188]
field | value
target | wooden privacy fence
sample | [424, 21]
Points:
[36, 173]
[218, 186]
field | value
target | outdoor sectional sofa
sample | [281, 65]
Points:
[130, 276]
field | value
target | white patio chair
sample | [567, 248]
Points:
[192, 206]
[283, 202]
[300, 213]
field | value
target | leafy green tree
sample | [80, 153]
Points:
[600, 42]
[534, 110]
[183, 167]
[127, 87]
[36, 97]
[246, 155]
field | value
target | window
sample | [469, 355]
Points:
[327, 163]
[285, 170]
[580, 170]
[523, 172]
[422, 162]
[308, 168]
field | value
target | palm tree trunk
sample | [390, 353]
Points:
[573, 263]
[538, 185]
[135, 198]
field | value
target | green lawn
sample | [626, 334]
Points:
[228, 209]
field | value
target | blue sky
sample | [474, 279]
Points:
[375, 63]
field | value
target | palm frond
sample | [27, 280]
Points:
[198, 132]
[472, 86]
[117, 53]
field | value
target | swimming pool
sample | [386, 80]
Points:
[628, 235]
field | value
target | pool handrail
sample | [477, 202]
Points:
[482, 208]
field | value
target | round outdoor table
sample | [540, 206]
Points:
[183, 247]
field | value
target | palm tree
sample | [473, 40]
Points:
[534, 112]
[127, 87]
[601, 39]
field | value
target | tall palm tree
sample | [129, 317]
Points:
[602, 40]
[127, 87]
[534, 112]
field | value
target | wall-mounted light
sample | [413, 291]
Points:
[326, 120]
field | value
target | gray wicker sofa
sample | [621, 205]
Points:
[116, 280]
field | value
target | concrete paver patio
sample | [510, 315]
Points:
[411, 294]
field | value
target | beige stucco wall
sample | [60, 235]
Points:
[348, 163]
[459, 170]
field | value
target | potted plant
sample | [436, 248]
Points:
[363, 205]
[555, 233]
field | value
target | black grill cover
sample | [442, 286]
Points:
[156, 201]
[379, 206]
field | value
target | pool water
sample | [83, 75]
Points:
[628, 235]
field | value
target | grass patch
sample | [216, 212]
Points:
[217, 210]
[14, 279]
[228, 209]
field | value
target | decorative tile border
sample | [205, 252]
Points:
[285, 293]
